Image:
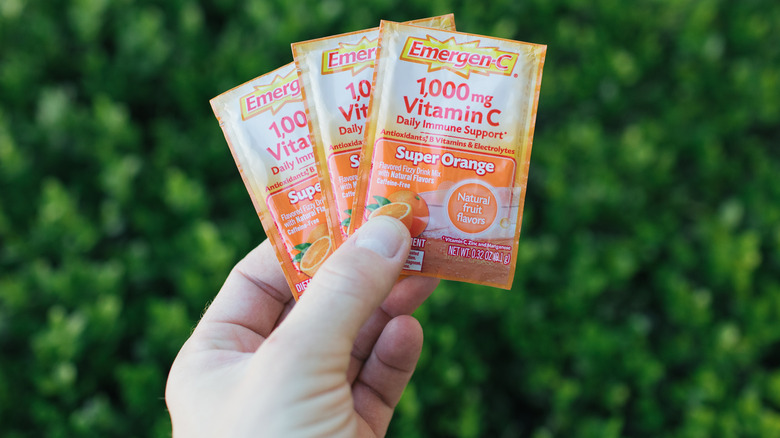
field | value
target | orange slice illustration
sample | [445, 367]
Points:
[317, 232]
[419, 209]
[399, 210]
[315, 255]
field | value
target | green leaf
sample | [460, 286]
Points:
[302, 246]
[349, 212]
[372, 207]
[382, 200]
[345, 222]
[298, 257]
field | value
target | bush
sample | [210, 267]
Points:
[646, 296]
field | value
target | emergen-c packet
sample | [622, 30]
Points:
[265, 125]
[447, 148]
[335, 74]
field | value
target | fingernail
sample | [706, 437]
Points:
[383, 235]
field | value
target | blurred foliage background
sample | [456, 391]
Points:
[647, 296]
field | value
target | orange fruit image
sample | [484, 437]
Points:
[419, 209]
[317, 232]
[399, 210]
[315, 255]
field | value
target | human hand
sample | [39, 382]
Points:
[334, 364]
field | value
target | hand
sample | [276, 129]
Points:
[334, 364]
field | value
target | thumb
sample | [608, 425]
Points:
[348, 287]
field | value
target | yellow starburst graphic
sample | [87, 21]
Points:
[459, 58]
[354, 57]
[273, 96]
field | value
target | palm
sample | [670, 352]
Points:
[311, 390]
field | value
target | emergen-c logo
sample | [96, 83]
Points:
[459, 58]
[355, 57]
[272, 97]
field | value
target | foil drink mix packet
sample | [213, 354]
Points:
[447, 148]
[265, 125]
[335, 74]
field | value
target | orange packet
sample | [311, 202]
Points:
[448, 146]
[265, 125]
[335, 74]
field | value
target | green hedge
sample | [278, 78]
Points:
[647, 298]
